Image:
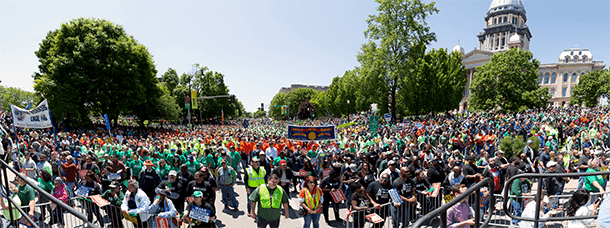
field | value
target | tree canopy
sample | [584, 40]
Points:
[591, 87]
[92, 66]
[508, 82]
[18, 97]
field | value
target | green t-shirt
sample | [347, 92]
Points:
[311, 154]
[163, 171]
[136, 167]
[276, 161]
[45, 185]
[590, 179]
[26, 194]
[270, 213]
[193, 167]
[116, 201]
[235, 158]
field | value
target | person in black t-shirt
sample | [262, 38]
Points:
[470, 170]
[328, 184]
[378, 191]
[199, 185]
[583, 165]
[360, 202]
[512, 167]
[200, 202]
[406, 189]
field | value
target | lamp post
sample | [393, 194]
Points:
[347, 110]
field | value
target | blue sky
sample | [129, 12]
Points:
[261, 46]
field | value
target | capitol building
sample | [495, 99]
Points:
[505, 28]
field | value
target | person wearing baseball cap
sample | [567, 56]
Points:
[176, 187]
[226, 179]
[199, 202]
[163, 207]
[285, 173]
[115, 197]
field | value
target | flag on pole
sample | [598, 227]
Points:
[29, 106]
[222, 114]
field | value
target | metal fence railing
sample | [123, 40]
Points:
[537, 200]
[62, 212]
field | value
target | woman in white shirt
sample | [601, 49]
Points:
[577, 207]
[530, 212]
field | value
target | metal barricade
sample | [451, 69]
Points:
[476, 189]
[537, 200]
[52, 211]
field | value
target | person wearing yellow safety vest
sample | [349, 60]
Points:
[311, 199]
[269, 198]
[255, 176]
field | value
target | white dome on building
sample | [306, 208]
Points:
[458, 48]
[575, 53]
[505, 4]
[515, 38]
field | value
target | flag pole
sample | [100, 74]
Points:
[52, 125]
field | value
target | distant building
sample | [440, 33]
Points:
[561, 77]
[298, 86]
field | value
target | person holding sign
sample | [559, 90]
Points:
[328, 185]
[199, 203]
[360, 202]
[92, 209]
[163, 207]
[269, 198]
[405, 187]
[136, 202]
[379, 192]
[286, 175]
[310, 199]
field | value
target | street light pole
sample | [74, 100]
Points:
[347, 110]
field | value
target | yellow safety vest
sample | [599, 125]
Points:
[313, 201]
[256, 179]
[276, 199]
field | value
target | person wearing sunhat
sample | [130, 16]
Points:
[149, 180]
[115, 197]
[163, 207]
[199, 202]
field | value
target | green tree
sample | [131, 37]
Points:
[397, 34]
[169, 109]
[260, 114]
[436, 86]
[509, 82]
[92, 66]
[591, 87]
[18, 97]
[278, 112]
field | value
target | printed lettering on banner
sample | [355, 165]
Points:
[337, 195]
[83, 191]
[448, 198]
[326, 172]
[303, 173]
[395, 196]
[374, 218]
[198, 213]
[190, 199]
[162, 222]
[114, 176]
[437, 188]
[97, 199]
[130, 218]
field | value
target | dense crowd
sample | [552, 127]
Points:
[170, 171]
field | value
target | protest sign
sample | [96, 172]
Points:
[326, 172]
[198, 213]
[162, 222]
[303, 173]
[114, 176]
[311, 133]
[25, 222]
[395, 196]
[448, 198]
[82, 173]
[190, 199]
[97, 199]
[437, 188]
[82, 191]
[337, 195]
[374, 218]
[130, 218]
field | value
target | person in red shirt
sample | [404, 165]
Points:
[70, 173]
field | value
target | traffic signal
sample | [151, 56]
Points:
[233, 99]
[263, 106]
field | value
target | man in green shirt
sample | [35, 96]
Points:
[269, 198]
[516, 189]
[26, 194]
[136, 166]
[594, 183]
[115, 197]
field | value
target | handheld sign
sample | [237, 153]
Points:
[326, 172]
[374, 218]
[25, 222]
[190, 199]
[448, 198]
[83, 191]
[130, 218]
[97, 199]
[337, 195]
[395, 196]
[387, 117]
[114, 176]
[162, 222]
[437, 188]
[82, 173]
[201, 214]
[303, 173]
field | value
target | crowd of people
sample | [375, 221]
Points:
[175, 171]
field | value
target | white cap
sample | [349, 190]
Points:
[551, 163]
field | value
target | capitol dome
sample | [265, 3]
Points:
[506, 5]
[515, 38]
[575, 53]
[458, 48]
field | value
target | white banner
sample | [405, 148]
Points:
[38, 117]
